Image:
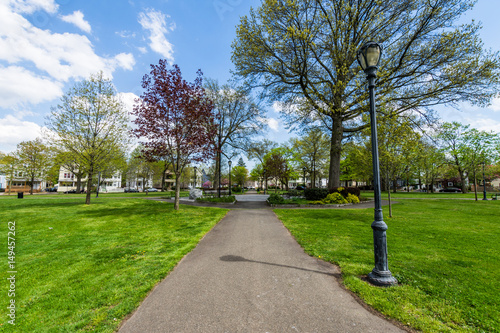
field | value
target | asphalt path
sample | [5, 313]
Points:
[248, 274]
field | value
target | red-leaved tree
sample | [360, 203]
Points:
[175, 119]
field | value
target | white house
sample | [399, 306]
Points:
[68, 180]
[20, 183]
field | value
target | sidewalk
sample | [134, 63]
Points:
[249, 275]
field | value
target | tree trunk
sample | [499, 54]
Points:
[78, 183]
[89, 187]
[462, 179]
[335, 152]
[33, 183]
[177, 191]
[475, 184]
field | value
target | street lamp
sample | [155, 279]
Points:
[304, 169]
[230, 176]
[368, 57]
[265, 178]
[194, 186]
[484, 184]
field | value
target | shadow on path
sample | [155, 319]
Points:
[232, 258]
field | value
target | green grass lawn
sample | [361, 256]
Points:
[445, 254]
[84, 268]
[423, 195]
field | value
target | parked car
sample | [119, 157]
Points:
[70, 191]
[451, 189]
[300, 188]
[131, 190]
[51, 189]
[151, 190]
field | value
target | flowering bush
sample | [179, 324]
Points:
[351, 198]
[335, 198]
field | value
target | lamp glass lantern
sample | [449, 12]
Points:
[369, 55]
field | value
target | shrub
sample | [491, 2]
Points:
[237, 189]
[275, 199]
[227, 198]
[313, 194]
[351, 198]
[317, 202]
[335, 198]
[293, 193]
[346, 190]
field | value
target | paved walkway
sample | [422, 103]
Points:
[249, 275]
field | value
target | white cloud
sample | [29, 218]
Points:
[128, 100]
[52, 58]
[125, 61]
[30, 6]
[155, 22]
[484, 124]
[77, 19]
[14, 131]
[20, 86]
[495, 104]
[273, 124]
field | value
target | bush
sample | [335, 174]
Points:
[351, 198]
[346, 190]
[237, 189]
[334, 198]
[293, 193]
[313, 194]
[275, 199]
[228, 198]
[317, 202]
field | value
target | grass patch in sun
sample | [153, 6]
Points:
[444, 253]
[84, 268]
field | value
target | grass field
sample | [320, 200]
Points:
[445, 254]
[423, 195]
[83, 268]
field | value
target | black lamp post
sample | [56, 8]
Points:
[194, 185]
[368, 57]
[484, 184]
[265, 179]
[304, 169]
[230, 176]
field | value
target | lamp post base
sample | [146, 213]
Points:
[382, 279]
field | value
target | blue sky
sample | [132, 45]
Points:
[47, 45]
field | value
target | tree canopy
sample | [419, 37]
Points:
[303, 54]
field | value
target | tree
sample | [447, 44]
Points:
[257, 174]
[239, 118]
[257, 150]
[239, 175]
[91, 124]
[241, 163]
[478, 148]
[175, 119]
[303, 53]
[8, 164]
[33, 160]
[277, 167]
[311, 152]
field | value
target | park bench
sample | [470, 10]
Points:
[495, 196]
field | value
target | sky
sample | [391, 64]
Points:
[48, 45]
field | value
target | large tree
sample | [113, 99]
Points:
[90, 123]
[34, 160]
[311, 152]
[239, 118]
[175, 119]
[8, 165]
[303, 53]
